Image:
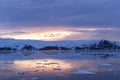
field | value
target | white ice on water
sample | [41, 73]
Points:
[106, 64]
[79, 72]
[34, 78]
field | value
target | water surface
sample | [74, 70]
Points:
[60, 69]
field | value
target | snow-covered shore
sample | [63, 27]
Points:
[19, 44]
[40, 44]
[20, 54]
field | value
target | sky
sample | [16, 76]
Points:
[51, 20]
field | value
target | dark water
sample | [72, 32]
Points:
[60, 69]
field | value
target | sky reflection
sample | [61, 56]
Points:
[45, 68]
[69, 65]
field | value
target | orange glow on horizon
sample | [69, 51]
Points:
[46, 36]
[52, 34]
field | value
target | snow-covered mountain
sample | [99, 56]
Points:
[19, 44]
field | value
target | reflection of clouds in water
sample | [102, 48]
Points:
[61, 67]
[44, 66]
[50, 64]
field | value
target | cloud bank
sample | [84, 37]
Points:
[68, 14]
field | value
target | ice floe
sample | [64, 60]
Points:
[83, 72]
[106, 64]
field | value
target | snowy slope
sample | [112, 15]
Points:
[13, 43]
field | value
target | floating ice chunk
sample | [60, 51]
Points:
[57, 68]
[106, 64]
[83, 72]
[35, 78]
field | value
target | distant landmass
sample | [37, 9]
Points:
[14, 44]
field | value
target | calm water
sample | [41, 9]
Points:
[60, 69]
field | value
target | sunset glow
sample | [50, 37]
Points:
[47, 36]
[59, 20]
[59, 39]
[51, 34]
[47, 67]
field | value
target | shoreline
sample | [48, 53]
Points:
[28, 55]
